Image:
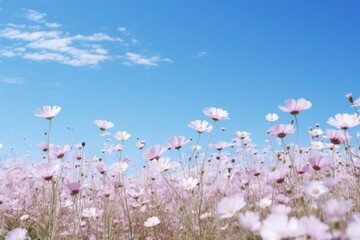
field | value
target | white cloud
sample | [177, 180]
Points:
[122, 29]
[135, 58]
[201, 54]
[13, 80]
[35, 16]
[11, 33]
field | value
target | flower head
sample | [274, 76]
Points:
[200, 126]
[154, 152]
[318, 162]
[337, 136]
[272, 117]
[314, 228]
[279, 226]
[281, 130]
[216, 113]
[103, 124]
[250, 221]
[74, 188]
[228, 206]
[47, 112]
[17, 234]
[315, 189]
[336, 210]
[122, 135]
[344, 121]
[152, 221]
[189, 183]
[177, 142]
[294, 107]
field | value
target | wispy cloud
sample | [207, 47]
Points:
[201, 54]
[13, 80]
[47, 42]
[150, 61]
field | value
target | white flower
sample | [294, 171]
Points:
[122, 135]
[315, 189]
[279, 226]
[317, 145]
[121, 166]
[90, 213]
[161, 165]
[271, 117]
[152, 221]
[16, 234]
[264, 203]
[205, 215]
[189, 183]
[250, 221]
[47, 112]
[353, 230]
[228, 206]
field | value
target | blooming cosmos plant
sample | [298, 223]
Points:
[294, 107]
[216, 113]
[47, 112]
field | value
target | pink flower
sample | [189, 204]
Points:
[47, 112]
[59, 151]
[357, 102]
[189, 183]
[152, 221]
[103, 124]
[353, 230]
[294, 107]
[250, 221]
[314, 228]
[140, 144]
[279, 226]
[228, 206]
[161, 165]
[336, 210]
[47, 171]
[154, 152]
[318, 162]
[281, 130]
[177, 142]
[101, 168]
[74, 188]
[242, 134]
[216, 113]
[315, 189]
[337, 136]
[201, 126]
[17, 234]
[344, 121]
[271, 117]
[220, 145]
[122, 135]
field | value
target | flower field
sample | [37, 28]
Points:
[224, 189]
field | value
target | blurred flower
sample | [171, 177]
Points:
[315, 132]
[189, 183]
[344, 121]
[91, 213]
[353, 229]
[242, 134]
[122, 135]
[140, 144]
[279, 226]
[250, 221]
[294, 107]
[272, 117]
[337, 136]
[264, 203]
[160, 165]
[357, 102]
[47, 112]
[335, 210]
[220, 145]
[154, 152]
[228, 206]
[177, 142]
[315, 189]
[200, 126]
[216, 113]
[59, 152]
[281, 130]
[17, 234]
[318, 145]
[103, 124]
[120, 166]
[152, 221]
[314, 228]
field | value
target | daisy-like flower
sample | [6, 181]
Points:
[216, 113]
[314, 228]
[91, 213]
[47, 171]
[335, 210]
[318, 145]
[120, 166]
[140, 144]
[318, 162]
[220, 145]
[315, 189]
[152, 221]
[17, 234]
[353, 230]
[279, 226]
[103, 124]
[315, 132]
[59, 152]
[242, 134]
[200, 126]
[264, 203]
[74, 188]
[101, 168]
[281, 130]
[228, 206]
[344, 121]
[122, 135]
[154, 152]
[250, 221]
[177, 142]
[337, 136]
[161, 165]
[47, 112]
[357, 102]
[271, 117]
[189, 183]
[294, 107]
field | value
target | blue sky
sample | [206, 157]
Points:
[152, 66]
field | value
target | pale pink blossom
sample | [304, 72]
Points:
[357, 102]
[103, 124]
[315, 189]
[294, 107]
[281, 130]
[317, 145]
[154, 152]
[250, 221]
[337, 136]
[47, 171]
[74, 188]
[314, 228]
[17, 234]
[353, 229]
[59, 152]
[200, 126]
[336, 210]
[228, 206]
[122, 135]
[242, 134]
[279, 226]
[344, 121]
[152, 221]
[161, 165]
[319, 162]
[264, 203]
[140, 144]
[101, 168]
[177, 142]
[189, 183]
[216, 113]
[272, 117]
[220, 145]
[279, 175]
[315, 132]
[91, 212]
[47, 112]
[120, 166]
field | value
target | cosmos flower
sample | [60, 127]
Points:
[344, 121]
[161, 165]
[59, 152]
[279, 226]
[47, 112]
[152, 221]
[91, 212]
[177, 142]
[314, 228]
[315, 132]
[220, 145]
[271, 117]
[318, 145]
[242, 134]
[336, 210]
[337, 136]
[189, 183]
[74, 188]
[228, 206]
[47, 171]
[250, 221]
[103, 124]
[216, 113]
[122, 135]
[154, 152]
[17, 234]
[294, 107]
[353, 230]
[318, 162]
[315, 189]
[200, 126]
[281, 130]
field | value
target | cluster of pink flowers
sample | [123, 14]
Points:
[214, 189]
